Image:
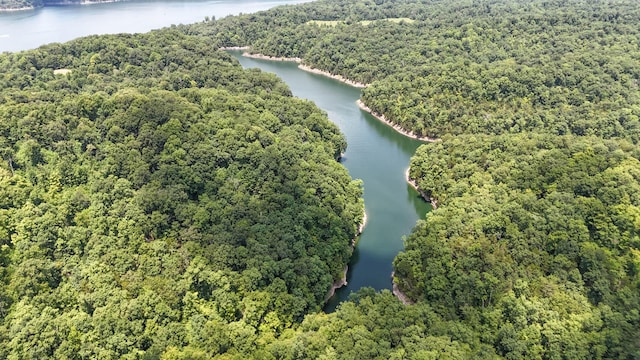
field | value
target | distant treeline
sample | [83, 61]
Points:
[8, 5]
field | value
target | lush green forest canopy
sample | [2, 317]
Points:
[534, 247]
[559, 67]
[151, 200]
[551, 221]
[156, 201]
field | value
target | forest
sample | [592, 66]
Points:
[159, 202]
[533, 248]
[458, 67]
[151, 201]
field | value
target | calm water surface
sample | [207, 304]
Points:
[22, 30]
[376, 154]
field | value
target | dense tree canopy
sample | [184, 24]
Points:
[534, 247]
[151, 201]
[455, 67]
[551, 221]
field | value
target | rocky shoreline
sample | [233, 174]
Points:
[303, 67]
[404, 299]
[330, 75]
[395, 126]
[343, 281]
[267, 57]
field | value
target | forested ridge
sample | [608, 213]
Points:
[152, 202]
[537, 222]
[159, 202]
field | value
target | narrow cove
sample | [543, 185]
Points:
[376, 154]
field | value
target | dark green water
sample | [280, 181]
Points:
[376, 154]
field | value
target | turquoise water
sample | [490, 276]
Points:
[376, 154]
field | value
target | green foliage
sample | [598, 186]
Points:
[535, 220]
[378, 326]
[494, 67]
[154, 203]
[534, 246]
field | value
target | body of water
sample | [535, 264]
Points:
[379, 156]
[28, 29]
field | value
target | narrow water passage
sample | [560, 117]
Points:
[376, 154]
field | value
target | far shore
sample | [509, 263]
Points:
[227, 48]
[307, 68]
[61, 3]
[17, 9]
[267, 57]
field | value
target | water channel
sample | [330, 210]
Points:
[376, 153]
[379, 156]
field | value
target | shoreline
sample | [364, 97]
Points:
[395, 289]
[395, 126]
[228, 48]
[340, 78]
[307, 68]
[267, 57]
[333, 76]
[343, 282]
[404, 299]
[414, 184]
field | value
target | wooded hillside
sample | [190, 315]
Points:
[155, 195]
[456, 67]
[533, 249]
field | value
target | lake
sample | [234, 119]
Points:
[22, 30]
